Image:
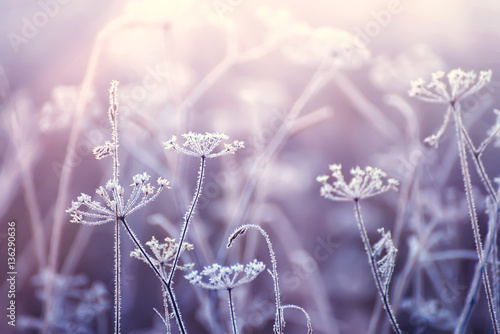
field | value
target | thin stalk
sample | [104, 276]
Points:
[479, 271]
[171, 294]
[373, 266]
[231, 309]
[187, 219]
[117, 276]
[472, 212]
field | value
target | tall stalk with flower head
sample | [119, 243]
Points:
[115, 209]
[364, 184]
[462, 84]
[201, 146]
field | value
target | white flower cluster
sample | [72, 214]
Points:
[365, 183]
[115, 205]
[203, 145]
[461, 84]
[163, 253]
[221, 277]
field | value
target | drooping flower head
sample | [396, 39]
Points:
[221, 277]
[203, 145]
[460, 85]
[364, 183]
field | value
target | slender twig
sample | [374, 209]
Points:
[373, 267]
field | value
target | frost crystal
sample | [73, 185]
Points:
[365, 183]
[220, 277]
[461, 84]
[199, 145]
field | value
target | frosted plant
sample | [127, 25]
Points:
[201, 146]
[221, 277]
[460, 85]
[386, 264]
[163, 257]
[114, 207]
[86, 211]
[279, 321]
[163, 253]
[364, 184]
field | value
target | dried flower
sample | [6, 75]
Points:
[115, 205]
[365, 183]
[163, 253]
[199, 145]
[221, 277]
[385, 266]
[461, 85]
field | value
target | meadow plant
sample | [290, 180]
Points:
[221, 277]
[462, 84]
[364, 184]
[115, 209]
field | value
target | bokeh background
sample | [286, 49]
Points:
[304, 84]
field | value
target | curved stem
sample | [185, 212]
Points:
[373, 267]
[231, 309]
[187, 219]
[171, 294]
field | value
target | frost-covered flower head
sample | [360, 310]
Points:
[164, 254]
[221, 277]
[86, 211]
[364, 183]
[460, 85]
[203, 145]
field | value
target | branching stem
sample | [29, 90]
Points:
[373, 266]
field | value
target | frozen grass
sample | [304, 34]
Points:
[425, 264]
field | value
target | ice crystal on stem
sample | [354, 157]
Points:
[364, 184]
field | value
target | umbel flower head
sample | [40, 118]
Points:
[203, 145]
[364, 183]
[86, 211]
[164, 254]
[460, 85]
[220, 277]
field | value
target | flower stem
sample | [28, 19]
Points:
[171, 294]
[372, 261]
[117, 276]
[187, 219]
[472, 212]
[231, 309]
